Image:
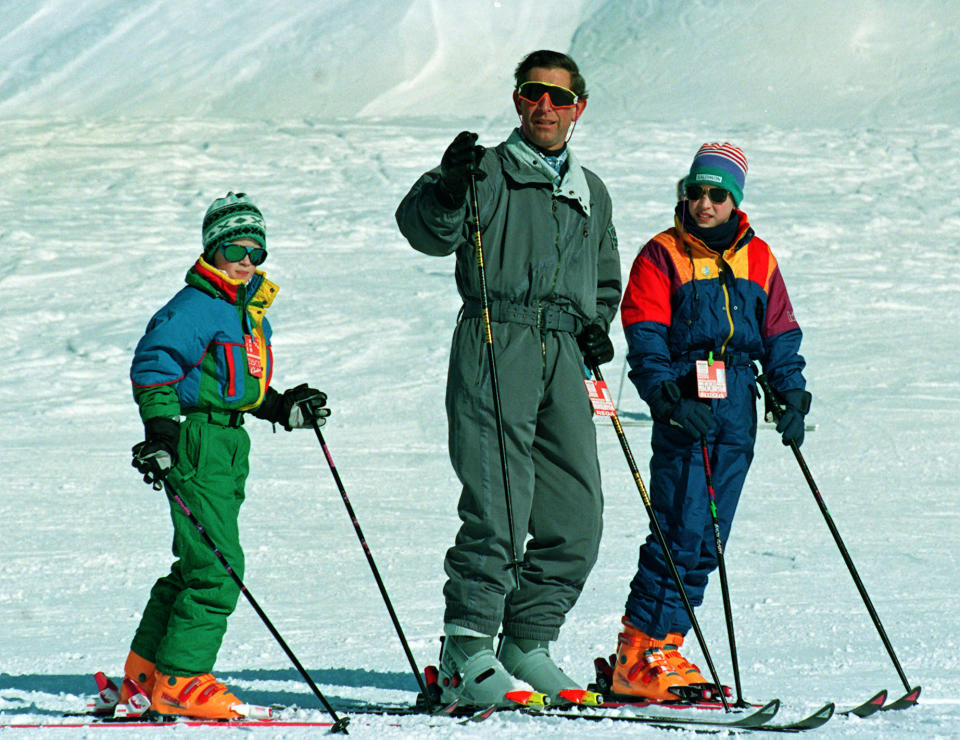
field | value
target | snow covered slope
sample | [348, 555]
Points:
[812, 63]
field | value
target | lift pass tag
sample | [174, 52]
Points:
[253, 355]
[711, 379]
[600, 397]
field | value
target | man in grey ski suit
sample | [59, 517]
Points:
[553, 284]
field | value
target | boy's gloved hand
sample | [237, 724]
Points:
[460, 161]
[796, 404]
[595, 345]
[295, 408]
[157, 454]
[691, 416]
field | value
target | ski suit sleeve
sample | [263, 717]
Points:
[175, 342]
[609, 285]
[782, 361]
[428, 225]
[646, 314]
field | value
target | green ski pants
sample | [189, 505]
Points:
[186, 616]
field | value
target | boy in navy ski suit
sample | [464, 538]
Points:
[704, 295]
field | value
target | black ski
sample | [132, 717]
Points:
[871, 706]
[810, 722]
[904, 702]
[754, 720]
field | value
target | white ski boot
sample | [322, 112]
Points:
[471, 675]
[530, 661]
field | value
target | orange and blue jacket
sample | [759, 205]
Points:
[208, 348]
[685, 301]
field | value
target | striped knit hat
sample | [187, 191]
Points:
[722, 165]
[233, 216]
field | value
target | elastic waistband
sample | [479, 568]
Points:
[220, 418]
[548, 316]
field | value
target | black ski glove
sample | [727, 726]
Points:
[157, 454]
[794, 407]
[294, 408]
[460, 161]
[691, 416]
[595, 345]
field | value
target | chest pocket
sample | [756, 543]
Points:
[231, 370]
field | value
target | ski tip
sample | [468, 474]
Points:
[911, 698]
[103, 682]
[527, 698]
[770, 708]
[582, 697]
[873, 704]
[446, 709]
[825, 712]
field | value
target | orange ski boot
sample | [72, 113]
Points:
[679, 664]
[642, 670]
[194, 696]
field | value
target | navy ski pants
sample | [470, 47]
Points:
[678, 492]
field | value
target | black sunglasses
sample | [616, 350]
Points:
[236, 252]
[560, 97]
[717, 195]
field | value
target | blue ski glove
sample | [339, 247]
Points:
[794, 407]
[691, 416]
[460, 161]
[157, 454]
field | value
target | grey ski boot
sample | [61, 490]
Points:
[530, 661]
[471, 674]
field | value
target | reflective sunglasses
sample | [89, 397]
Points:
[716, 195]
[236, 252]
[560, 97]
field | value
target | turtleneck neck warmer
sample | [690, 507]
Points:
[717, 238]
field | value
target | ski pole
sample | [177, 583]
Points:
[339, 723]
[662, 541]
[494, 382]
[721, 564]
[373, 565]
[777, 412]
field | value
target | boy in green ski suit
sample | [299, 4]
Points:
[203, 363]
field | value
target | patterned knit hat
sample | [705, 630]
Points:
[722, 165]
[233, 216]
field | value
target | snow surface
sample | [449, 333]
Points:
[120, 122]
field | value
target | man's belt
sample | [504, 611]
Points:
[548, 316]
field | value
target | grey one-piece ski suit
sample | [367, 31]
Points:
[552, 267]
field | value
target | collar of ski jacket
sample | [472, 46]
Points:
[718, 238]
[739, 227]
[572, 185]
[255, 295]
